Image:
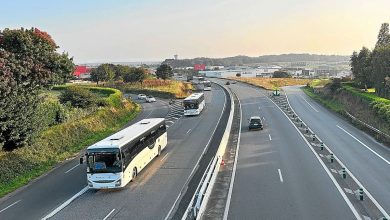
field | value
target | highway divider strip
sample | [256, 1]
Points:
[199, 201]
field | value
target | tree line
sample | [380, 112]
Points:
[372, 68]
[127, 74]
[29, 63]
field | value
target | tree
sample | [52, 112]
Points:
[135, 75]
[164, 71]
[28, 63]
[362, 69]
[383, 36]
[104, 72]
[281, 74]
[78, 97]
[381, 70]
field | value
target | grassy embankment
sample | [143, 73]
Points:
[65, 140]
[272, 83]
[157, 87]
[364, 105]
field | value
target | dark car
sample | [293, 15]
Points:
[227, 83]
[255, 123]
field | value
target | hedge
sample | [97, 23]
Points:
[63, 141]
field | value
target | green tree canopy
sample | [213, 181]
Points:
[28, 63]
[164, 71]
[383, 36]
[281, 74]
[135, 75]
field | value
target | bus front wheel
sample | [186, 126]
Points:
[134, 173]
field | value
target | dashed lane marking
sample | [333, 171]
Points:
[10, 206]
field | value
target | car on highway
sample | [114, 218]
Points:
[141, 96]
[234, 82]
[227, 83]
[150, 99]
[255, 123]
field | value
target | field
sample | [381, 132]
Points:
[272, 83]
[158, 87]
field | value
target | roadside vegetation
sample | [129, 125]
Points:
[367, 96]
[42, 121]
[272, 83]
[73, 123]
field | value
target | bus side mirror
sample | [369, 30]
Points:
[81, 160]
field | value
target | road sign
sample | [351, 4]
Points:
[276, 93]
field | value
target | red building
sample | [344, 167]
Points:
[82, 72]
[199, 67]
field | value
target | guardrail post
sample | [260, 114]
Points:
[330, 157]
[343, 173]
[359, 194]
[383, 218]
[307, 130]
[313, 136]
[322, 146]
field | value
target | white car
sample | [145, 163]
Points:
[141, 96]
[150, 99]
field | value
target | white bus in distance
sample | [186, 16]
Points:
[114, 161]
[207, 86]
[194, 104]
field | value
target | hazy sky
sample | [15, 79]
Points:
[145, 30]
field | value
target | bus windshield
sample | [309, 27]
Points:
[190, 105]
[104, 161]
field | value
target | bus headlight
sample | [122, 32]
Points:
[118, 182]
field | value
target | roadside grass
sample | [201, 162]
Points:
[64, 141]
[272, 83]
[320, 82]
[330, 103]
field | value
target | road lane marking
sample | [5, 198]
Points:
[72, 168]
[200, 157]
[309, 104]
[229, 197]
[188, 131]
[10, 206]
[349, 203]
[364, 145]
[280, 175]
[165, 156]
[66, 203]
[270, 138]
[109, 214]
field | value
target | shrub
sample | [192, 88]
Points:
[78, 97]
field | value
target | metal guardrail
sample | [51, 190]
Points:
[199, 201]
[368, 126]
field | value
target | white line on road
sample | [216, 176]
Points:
[364, 145]
[67, 202]
[72, 168]
[197, 163]
[270, 138]
[188, 131]
[309, 103]
[165, 156]
[353, 209]
[229, 197]
[109, 214]
[10, 206]
[280, 175]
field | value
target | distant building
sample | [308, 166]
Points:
[176, 56]
[82, 72]
[199, 67]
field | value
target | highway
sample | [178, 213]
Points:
[49, 191]
[157, 188]
[367, 159]
[151, 196]
[277, 175]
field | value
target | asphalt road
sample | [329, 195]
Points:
[367, 159]
[46, 193]
[155, 191]
[277, 175]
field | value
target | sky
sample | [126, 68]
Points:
[153, 30]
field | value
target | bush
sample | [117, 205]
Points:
[78, 97]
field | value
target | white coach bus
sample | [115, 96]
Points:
[113, 162]
[194, 104]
